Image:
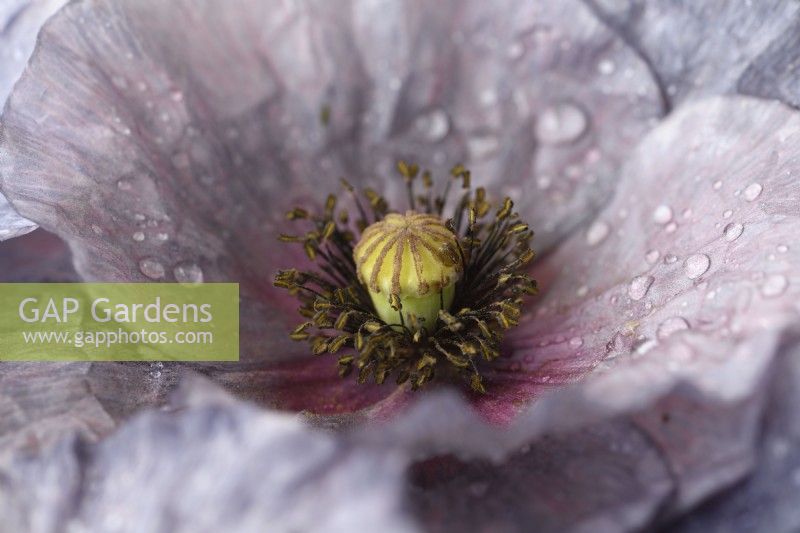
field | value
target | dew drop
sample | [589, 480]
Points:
[643, 346]
[561, 123]
[515, 50]
[576, 342]
[188, 273]
[671, 326]
[543, 182]
[138, 236]
[151, 268]
[727, 214]
[582, 291]
[752, 191]
[482, 146]
[639, 286]
[606, 67]
[774, 285]
[782, 248]
[670, 258]
[733, 231]
[652, 256]
[124, 185]
[696, 265]
[162, 236]
[155, 369]
[433, 125]
[662, 214]
[717, 185]
[597, 232]
[671, 227]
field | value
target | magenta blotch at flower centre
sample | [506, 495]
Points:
[413, 294]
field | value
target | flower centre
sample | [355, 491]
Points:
[419, 295]
[410, 265]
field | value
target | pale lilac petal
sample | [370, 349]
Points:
[687, 358]
[767, 500]
[696, 49]
[11, 224]
[540, 99]
[20, 21]
[216, 465]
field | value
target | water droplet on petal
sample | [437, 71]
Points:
[727, 213]
[782, 248]
[544, 182]
[671, 227]
[644, 346]
[97, 229]
[138, 236]
[151, 268]
[162, 236]
[434, 125]
[188, 273]
[696, 265]
[582, 291]
[670, 326]
[733, 231]
[639, 286]
[774, 285]
[576, 342]
[652, 256]
[515, 50]
[717, 185]
[482, 146]
[670, 258]
[606, 67]
[662, 214]
[597, 232]
[752, 191]
[561, 123]
[124, 185]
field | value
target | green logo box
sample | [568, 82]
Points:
[119, 322]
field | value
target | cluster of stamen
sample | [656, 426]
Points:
[416, 295]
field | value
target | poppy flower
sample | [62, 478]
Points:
[652, 147]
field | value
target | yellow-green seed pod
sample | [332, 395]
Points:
[414, 258]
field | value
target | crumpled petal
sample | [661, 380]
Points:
[216, 465]
[20, 21]
[767, 500]
[697, 49]
[684, 357]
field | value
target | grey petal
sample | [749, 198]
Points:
[767, 500]
[774, 72]
[216, 465]
[20, 21]
[43, 403]
[11, 224]
[697, 49]
[686, 359]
